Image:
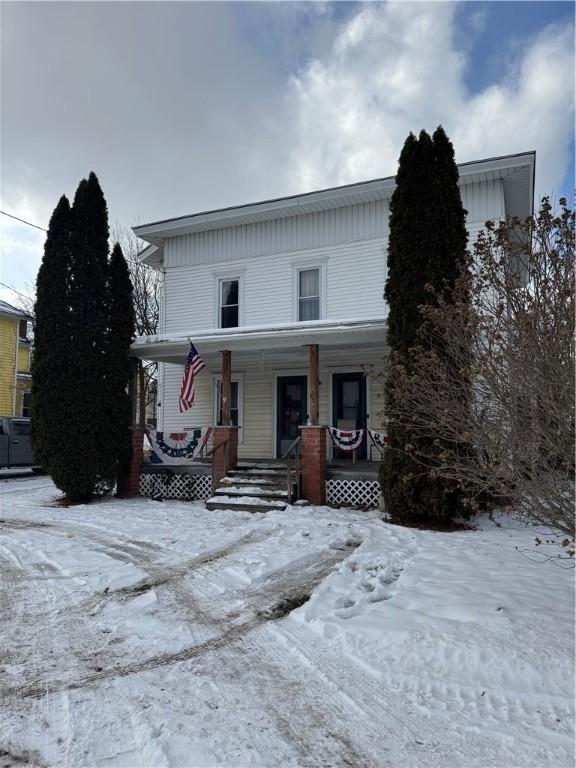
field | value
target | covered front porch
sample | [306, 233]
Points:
[263, 388]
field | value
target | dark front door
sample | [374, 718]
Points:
[292, 410]
[349, 409]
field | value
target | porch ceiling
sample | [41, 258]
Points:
[173, 348]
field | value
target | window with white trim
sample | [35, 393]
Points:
[236, 401]
[229, 303]
[309, 294]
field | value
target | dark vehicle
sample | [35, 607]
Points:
[15, 447]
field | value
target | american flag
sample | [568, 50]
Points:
[194, 365]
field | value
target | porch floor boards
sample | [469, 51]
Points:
[246, 468]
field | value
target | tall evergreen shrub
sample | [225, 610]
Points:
[84, 326]
[51, 360]
[426, 249]
[120, 335]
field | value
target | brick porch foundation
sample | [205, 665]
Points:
[129, 481]
[314, 464]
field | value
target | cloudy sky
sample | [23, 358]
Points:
[180, 107]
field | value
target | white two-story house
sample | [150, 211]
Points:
[266, 281]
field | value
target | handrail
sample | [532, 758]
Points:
[216, 448]
[293, 450]
[213, 451]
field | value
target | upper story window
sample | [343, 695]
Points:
[229, 304]
[23, 330]
[309, 294]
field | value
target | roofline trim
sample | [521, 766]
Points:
[219, 214]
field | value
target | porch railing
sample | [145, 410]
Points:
[292, 459]
[224, 445]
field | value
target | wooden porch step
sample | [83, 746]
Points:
[251, 491]
[243, 503]
[260, 464]
[271, 483]
[258, 476]
[260, 469]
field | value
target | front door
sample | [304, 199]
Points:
[292, 410]
[349, 409]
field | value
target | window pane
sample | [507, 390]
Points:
[309, 283]
[229, 317]
[309, 309]
[350, 393]
[229, 292]
[234, 394]
[234, 409]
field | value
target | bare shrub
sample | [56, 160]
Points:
[508, 336]
[147, 283]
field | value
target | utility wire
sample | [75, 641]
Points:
[15, 291]
[23, 221]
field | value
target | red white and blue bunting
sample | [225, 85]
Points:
[177, 447]
[346, 440]
[380, 439]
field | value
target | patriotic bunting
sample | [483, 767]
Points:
[177, 447]
[380, 439]
[346, 440]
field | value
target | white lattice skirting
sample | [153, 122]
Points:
[359, 494]
[176, 486]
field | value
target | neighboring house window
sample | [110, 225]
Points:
[229, 303]
[309, 294]
[236, 401]
[23, 330]
[26, 404]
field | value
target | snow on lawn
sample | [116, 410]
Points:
[138, 633]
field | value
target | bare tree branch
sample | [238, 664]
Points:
[147, 283]
[509, 335]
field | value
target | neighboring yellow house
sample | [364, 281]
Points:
[15, 345]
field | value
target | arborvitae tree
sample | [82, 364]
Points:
[52, 360]
[120, 335]
[82, 466]
[426, 249]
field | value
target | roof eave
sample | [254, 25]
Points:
[155, 232]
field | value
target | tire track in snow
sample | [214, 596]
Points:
[306, 579]
[66, 619]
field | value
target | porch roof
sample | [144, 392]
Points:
[173, 347]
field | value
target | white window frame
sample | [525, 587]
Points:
[222, 277]
[235, 378]
[303, 265]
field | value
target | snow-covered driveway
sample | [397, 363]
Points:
[137, 633]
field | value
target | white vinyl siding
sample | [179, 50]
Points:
[355, 268]
[294, 233]
[348, 245]
[258, 378]
[355, 275]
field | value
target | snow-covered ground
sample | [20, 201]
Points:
[138, 633]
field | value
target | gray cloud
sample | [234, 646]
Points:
[187, 106]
